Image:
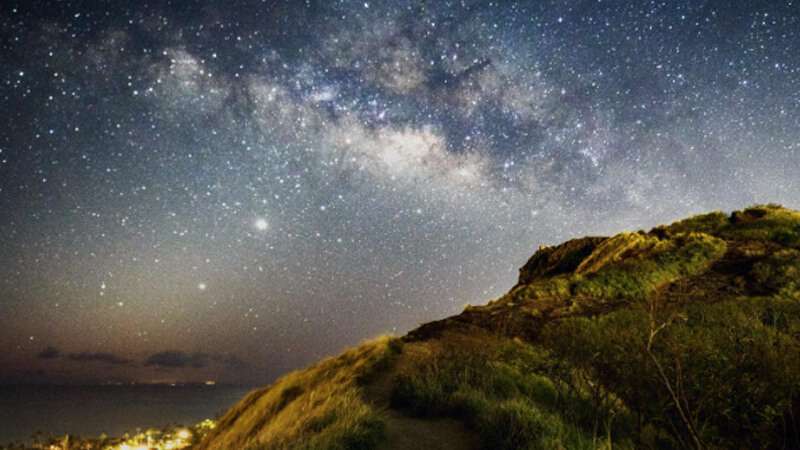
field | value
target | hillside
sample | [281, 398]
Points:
[686, 336]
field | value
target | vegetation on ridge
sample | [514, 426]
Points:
[686, 336]
[317, 408]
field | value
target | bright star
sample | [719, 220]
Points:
[261, 224]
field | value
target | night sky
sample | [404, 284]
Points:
[230, 190]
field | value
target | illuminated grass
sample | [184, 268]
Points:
[321, 407]
[500, 388]
[628, 267]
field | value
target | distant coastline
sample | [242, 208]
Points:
[90, 411]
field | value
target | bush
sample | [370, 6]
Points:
[709, 223]
[636, 277]
[734, 372]
[512, 425]
[769, 223]
[780, 272]
[500, 389]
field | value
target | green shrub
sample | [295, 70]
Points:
[768, 223]
[780, 272]
[636, 277]
[648, 264]
[733, 366]
[709, 223]
[501, 390]
[512, 425]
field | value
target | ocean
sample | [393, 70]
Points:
[89, 411]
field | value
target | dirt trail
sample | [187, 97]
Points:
[409, 433]
[404, 432]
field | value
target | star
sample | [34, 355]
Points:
[146, 158]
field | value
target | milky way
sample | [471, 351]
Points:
[195, 191]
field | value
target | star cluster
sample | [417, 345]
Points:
[194, 190]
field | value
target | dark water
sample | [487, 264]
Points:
[91, 410]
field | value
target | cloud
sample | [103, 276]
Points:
[230, 361]
[173, 359]
[176, 359]
[101, 357]
[49, 352]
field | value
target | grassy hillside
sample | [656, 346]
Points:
[686, 336]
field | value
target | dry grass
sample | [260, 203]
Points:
[321, 407]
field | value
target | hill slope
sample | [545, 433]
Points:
[684, 336]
